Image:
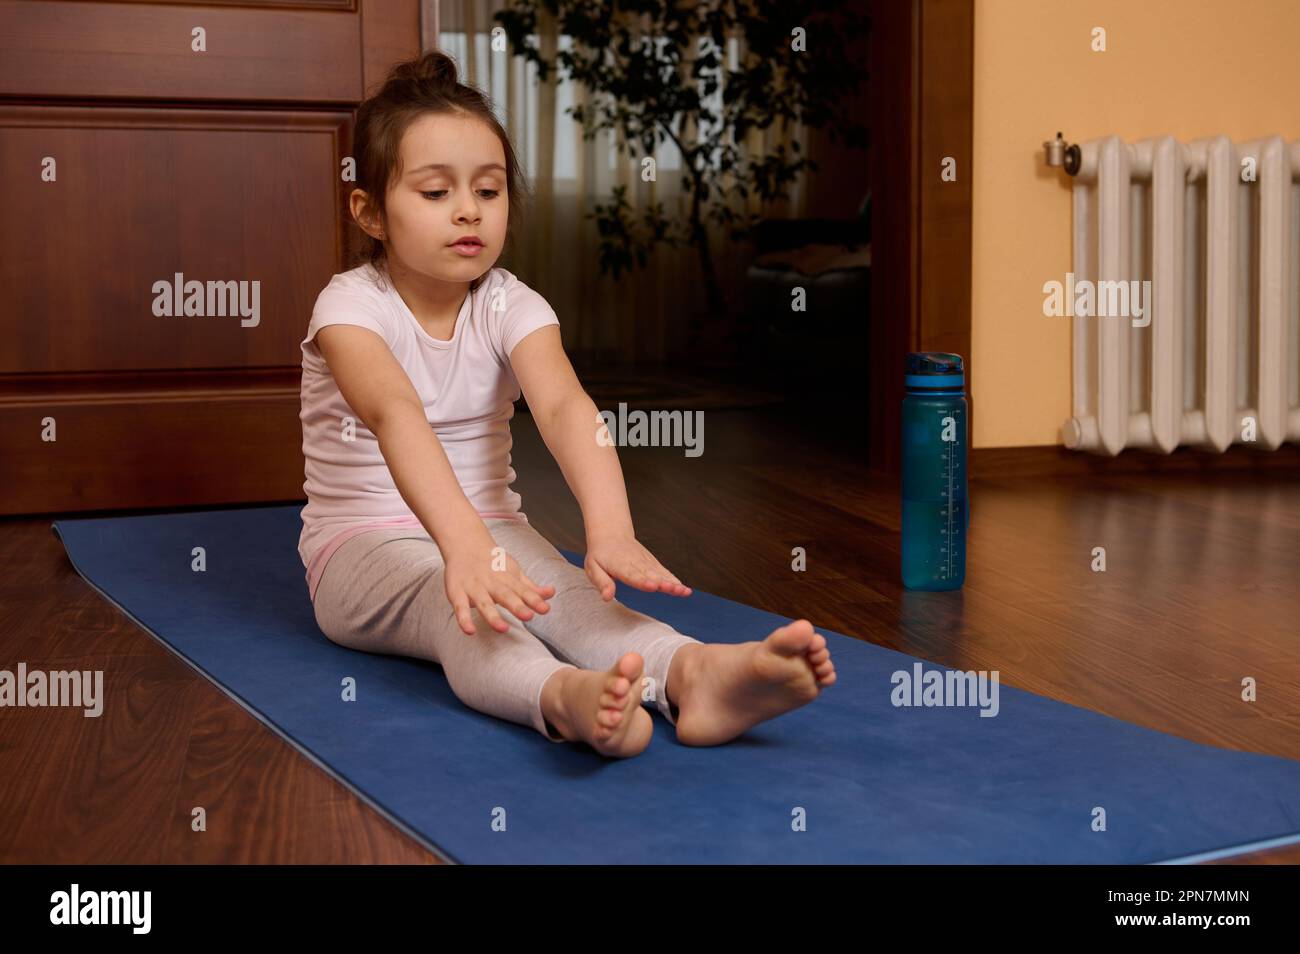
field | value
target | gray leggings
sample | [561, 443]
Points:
[383, 592]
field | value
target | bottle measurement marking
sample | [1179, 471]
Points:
[950, 508]
[950, 505]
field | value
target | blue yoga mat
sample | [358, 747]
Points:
[866, 781]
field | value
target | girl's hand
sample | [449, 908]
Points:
[484, 575]
[623, 558]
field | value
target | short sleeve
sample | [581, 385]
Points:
[343, 306]
[522, 311]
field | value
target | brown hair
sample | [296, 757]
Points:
[427, 84]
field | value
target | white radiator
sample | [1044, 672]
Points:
[1216, 358]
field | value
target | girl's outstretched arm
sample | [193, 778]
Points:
[579, 441]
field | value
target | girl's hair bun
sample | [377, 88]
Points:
[434, 70]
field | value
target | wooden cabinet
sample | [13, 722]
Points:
[136, 164]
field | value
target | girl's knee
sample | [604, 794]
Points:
[324, 620]
[336, 633]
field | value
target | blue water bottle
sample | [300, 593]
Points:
[934, 472]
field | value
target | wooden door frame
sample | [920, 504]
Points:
[922, 112]
[430, 25]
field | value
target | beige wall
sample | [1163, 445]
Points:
[1187, 68]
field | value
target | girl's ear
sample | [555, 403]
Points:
[366, 215]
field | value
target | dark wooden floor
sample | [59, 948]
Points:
[1202, 589]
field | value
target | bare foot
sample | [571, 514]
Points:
[602, 709]
[724, 689]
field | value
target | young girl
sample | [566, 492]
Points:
[412, 537]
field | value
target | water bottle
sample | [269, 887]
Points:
[935, 517]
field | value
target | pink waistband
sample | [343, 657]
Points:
[316, 569]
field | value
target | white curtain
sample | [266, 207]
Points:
[641, 316]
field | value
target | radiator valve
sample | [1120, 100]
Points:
[1061, 153]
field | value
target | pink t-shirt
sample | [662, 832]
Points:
[466, 385]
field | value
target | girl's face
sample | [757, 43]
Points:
[452, 186]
